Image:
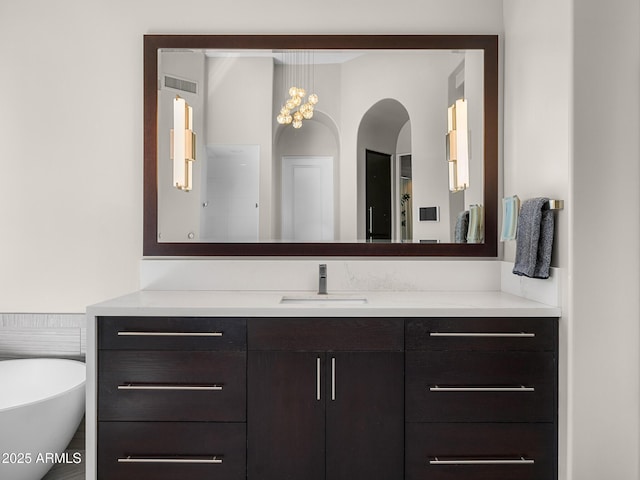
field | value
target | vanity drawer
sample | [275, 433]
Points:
[480, 386]
[326, 334]
[528, 334]
[172, 386]
[480, 451]
[171, 333]
[171, 451]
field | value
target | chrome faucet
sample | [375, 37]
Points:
[322, 279]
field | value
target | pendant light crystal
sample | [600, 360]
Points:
[297, 79]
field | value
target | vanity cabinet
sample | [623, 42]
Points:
[481, 398]
[325, 399]
[171, 398]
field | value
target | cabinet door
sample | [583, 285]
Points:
[286, 416]
[365, 415]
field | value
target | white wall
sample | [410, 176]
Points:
[604, 251]
[571, 116]
[537, 93]
[537, 139]
[71, 124]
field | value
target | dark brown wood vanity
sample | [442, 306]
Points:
[327, 398]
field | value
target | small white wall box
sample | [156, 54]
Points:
[429, 214]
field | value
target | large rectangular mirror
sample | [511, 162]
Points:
[326, 145]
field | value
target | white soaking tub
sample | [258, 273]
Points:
[42, 402]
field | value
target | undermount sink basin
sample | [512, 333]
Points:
[323, 300]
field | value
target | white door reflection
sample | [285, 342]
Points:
[231, 210]
[307, 198]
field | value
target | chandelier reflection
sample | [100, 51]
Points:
[298, 77]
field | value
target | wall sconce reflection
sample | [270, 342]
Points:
[458, 146]
[182, 144]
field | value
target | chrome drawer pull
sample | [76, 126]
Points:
[333, 378]
[133, 386]
[521, 388]
[515, 461]
[318, 390]
[170, 334]
[214, 459]
[483, 335]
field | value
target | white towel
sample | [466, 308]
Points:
[476, 224]
[510, 210]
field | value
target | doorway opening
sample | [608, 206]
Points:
[378, 196]
[384, 198]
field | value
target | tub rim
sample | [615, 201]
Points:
[50, 397]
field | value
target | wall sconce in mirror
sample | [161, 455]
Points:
[182, 144]
[458, 146]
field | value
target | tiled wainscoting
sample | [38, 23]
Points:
[42, 335]
[24, 335]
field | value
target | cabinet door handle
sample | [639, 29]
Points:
[333, 378]
[318, 391]
[521, 388]
[481, 461]
[483, 334]
[169, 334]
[148, 386]
[214, 459]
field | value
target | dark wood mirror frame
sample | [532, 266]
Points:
[487, 43]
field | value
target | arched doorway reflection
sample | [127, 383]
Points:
[305, 176]
[384, 173]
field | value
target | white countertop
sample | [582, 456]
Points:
[268, 304]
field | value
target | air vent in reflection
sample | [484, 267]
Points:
[180, 84]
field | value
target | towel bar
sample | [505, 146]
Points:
[556, 204]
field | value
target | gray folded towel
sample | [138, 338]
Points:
[534, 239]
[462, 227]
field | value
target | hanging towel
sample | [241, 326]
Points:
[476, 224]
[462, 227]
[534, 239]
[510, 209]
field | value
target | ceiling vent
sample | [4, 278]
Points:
[180, 84]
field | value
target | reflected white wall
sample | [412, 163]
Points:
[178, 210]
